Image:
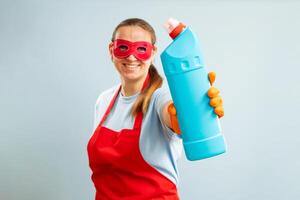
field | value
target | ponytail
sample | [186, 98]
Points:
[142, 102]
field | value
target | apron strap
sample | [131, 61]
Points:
[139, 117]
[110, 106]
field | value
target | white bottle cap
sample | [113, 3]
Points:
[171, 24]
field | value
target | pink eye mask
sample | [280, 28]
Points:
[141, 50]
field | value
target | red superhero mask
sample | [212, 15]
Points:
[141, 50]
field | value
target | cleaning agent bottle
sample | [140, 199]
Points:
[188, 83]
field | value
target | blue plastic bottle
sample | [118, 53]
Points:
[188, 82]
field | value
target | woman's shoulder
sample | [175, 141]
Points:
[107, 94]
[161, 92]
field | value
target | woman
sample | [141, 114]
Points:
[134, 150]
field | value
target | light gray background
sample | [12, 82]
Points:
[54, 62]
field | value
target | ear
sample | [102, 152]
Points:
[110, 49]
[154, 51]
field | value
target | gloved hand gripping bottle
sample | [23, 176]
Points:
[188, 82]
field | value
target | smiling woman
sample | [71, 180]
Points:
[134, 150]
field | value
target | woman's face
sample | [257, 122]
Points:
[131, 68]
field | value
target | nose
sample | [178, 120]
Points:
[131, 57]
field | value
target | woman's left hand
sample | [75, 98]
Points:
[216, 100]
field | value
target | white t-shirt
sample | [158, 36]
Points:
[159, 145]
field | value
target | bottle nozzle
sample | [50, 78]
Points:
[171, 24]
[174, 27]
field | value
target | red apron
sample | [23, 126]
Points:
[119, 171]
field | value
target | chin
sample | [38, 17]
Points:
[131, 76]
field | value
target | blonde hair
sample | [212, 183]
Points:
[142, 102]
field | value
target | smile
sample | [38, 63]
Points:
[130, 66]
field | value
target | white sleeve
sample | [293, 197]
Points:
[162, 98]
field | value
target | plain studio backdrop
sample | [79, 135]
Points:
[54, 62]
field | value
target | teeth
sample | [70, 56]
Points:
[130, 66]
